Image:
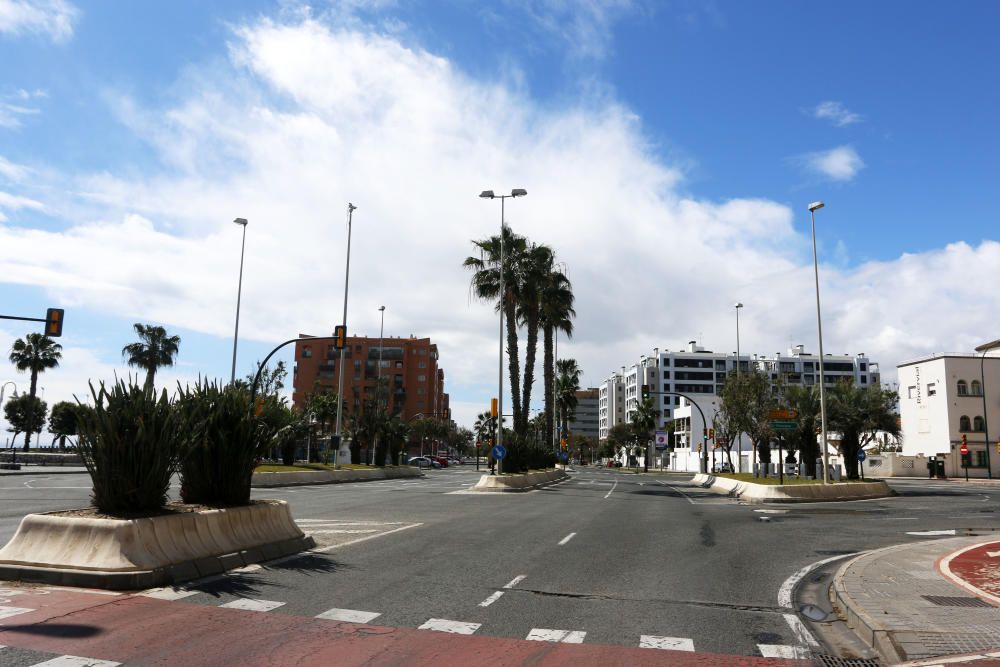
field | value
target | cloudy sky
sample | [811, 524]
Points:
[669, 150]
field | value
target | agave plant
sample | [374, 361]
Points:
[128, 445]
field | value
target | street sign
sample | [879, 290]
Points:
[661, 439]
[782, 415]
[498, 452]
[783, 425]
[564, 456]
[964, 449]
[861, 455]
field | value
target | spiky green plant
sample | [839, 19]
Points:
[129, 447]
[221, 442]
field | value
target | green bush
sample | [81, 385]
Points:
[128, 444]
[221, 442]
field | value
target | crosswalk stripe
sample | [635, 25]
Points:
[349, 615]
[7, 612]
[76, 661]
[561, 636]
[168, 593]
[247, 604]
[454, 627]
[491, 599]
[666, 643]
[782, 651]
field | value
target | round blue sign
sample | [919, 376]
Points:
[564, 456]
[861, 455]
[498, 452]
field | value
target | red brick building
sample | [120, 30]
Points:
[410, 366]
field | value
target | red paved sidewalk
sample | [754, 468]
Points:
[976, 569]
[147, 631]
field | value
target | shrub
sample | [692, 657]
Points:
[221, 442]
[128, 444]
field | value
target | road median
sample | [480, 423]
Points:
[521, 482]
[310, 477]
[792, 493]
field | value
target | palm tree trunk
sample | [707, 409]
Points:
[150, 373]
[530, 347]
[549, 372]
[31, 409]
[513, 363]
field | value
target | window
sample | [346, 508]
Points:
[980, 460]
[963, 389]
[964, 424]
[357, 364]
[978, 424]
[422, 364]
[666, 375]
[977, 389]
[307, 352]
[399, 364]
[931, 389]
[421, 378]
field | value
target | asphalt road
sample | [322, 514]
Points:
[606, 557]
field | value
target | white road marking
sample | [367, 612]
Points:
[785, 592]
[362, 539]
[246, 569]
[329, 531]
[992, 554]
[349, 615]
[76, 661]
[61, 589]
[800, 631]
[515, 581]
[783, 651]
[491, 599]
[560, 636]
[168, 593]
[7, 612]
[454, 627]
[931, 533]
[566, 539]
[247, 604]
[612, 489]
[666, 643]
[772, 511]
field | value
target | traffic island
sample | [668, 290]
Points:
[793, 493]
[308, 477]
[180, 543]
[520, 482]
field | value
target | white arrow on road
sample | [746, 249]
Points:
[993, 554]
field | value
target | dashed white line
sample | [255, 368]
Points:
[349, 615]
[612, 489]
[491, 599]
[560, 636]
[246, 604]
[782, 651]
[666, 643]
[454, 627]
[566, 539]
[515, 581]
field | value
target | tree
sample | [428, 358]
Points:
[748, 399]
[63, 421]
[643, 424]
[25, 414]
[805, 401]
[619, 436]
[567, 384]
[556, 314]
[858, 413]
[321, 406]
[536, 266]
[586, 445]
[272, 380]
[34, 353]
[154, 350]
[485, 427]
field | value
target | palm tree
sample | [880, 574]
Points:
[556, 315]
[486, 286]
[155, 349]
[567, 384]
[859, 413]
[485, 426]
[536, 273]
[35, 353]
[643, 422]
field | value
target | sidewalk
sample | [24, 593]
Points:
[899, 602]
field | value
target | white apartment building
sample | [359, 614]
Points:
[941, 399]
[611, 403]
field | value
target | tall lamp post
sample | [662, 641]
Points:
[13, 450]
[982, 379]
[378, 381]
[739, 437]
[239, 291]
[813, 207]
[340, 383]
[488, 194]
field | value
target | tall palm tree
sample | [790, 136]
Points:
[485, 426]
[154, 350]
[536, 270]
[567, 384]
[643, 422]
[35, 353]
[486, 286]
[556, 314]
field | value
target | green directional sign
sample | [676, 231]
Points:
[783, 425]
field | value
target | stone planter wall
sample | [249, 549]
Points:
[308, 477]
[793, 493]
[524, 482]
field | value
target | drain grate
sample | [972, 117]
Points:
[956, 601]
[820, 660]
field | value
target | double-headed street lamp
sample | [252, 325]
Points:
[239, 290]
[982, 378]
[488, 194]
[813, 207]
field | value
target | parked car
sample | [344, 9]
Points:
[723, 467]
[442, 461]
[454, 462]
[423, 462]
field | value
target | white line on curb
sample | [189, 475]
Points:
[785, 592]
[560, 636]
[612, 489]
[454, 627]
[515, 581]
[931, 533]
[782, 651]
[800, 631]
[76, 661]
[666, 643]
[491, 599]
[566, 539]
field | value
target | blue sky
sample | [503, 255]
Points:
[669, 150]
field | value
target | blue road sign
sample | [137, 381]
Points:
[861, 455]
[498, 452]
[564, 456]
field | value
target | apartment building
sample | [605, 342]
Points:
[585, 421]
[610, 403]
[409, 365]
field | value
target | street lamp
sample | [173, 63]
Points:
[813, 207]
[340, 383]
[239, 290]
[378, 381]
[739, 438]
[4, 386]
[488, 194]
[982, 378]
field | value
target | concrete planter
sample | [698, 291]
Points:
[525, 482]
[793, 493]
[307, 477]
[129, 554]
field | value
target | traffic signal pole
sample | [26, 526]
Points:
[704, 441]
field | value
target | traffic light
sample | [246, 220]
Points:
[645, 391]
[493, 407]
[340, 337]
[711, 434]
[53, 322]
[998, 446]
[965, 442]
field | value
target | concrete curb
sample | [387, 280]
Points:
[130, 554]
[43, 470]
[515, 483]
[263, 480]
[793, 493]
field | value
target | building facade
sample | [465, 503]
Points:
[585, 421]
[941, 400]
[410, 366]
[610, 403]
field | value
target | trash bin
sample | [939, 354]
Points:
[940, 468]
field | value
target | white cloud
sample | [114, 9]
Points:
[307, 118]
[584, 27]
[838, 164]
[836, 113]
[52, 17]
